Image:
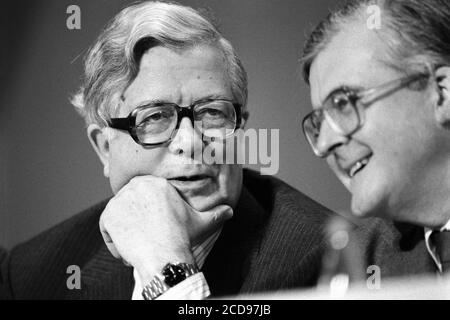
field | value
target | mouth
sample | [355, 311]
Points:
[192, 178]
[358, 166]
[192, 184]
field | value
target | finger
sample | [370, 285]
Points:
[148, 179]
[135, 182]
[110, 245]
[125, 262]
[108, 241]
[112, 248]
[222, 213]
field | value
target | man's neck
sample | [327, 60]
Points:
[428, 210]
[427, 204]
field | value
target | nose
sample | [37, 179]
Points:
[187, 140]
[329, 139]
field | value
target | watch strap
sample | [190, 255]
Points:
[163, 282]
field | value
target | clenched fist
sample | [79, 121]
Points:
[147, 224]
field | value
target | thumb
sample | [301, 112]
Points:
[214, 216]
[221, 214]
[206, 222]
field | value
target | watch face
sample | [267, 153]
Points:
[173, 274]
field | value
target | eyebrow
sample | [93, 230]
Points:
[162, 101]
[151, 102]
[341, 88]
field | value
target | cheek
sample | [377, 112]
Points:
[345, 180]
[129, 160]
[399, 124]
[230, 183]
[396, 144]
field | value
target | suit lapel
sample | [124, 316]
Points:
[230, 259]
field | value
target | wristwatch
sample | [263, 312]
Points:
[171, 275]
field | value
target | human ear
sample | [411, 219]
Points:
[245, 115]
[442, 107]
[99, 139]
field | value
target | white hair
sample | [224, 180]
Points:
[112, 63]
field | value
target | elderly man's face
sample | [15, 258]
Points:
[399, 136]
[183, 78]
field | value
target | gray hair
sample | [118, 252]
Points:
[417, 32]
[112, 63]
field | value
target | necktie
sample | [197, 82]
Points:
[441, 240]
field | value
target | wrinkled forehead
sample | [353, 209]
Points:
[353, 58]
[178, 76]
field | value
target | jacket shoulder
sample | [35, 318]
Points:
[279, 198]
[292, 235]
[37, 268]
[398, 249]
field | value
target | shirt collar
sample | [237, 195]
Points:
[430, 246]
[446, 227]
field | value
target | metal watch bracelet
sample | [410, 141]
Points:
[158, 284]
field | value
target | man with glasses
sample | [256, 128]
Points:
[161, 84]
[381, 119]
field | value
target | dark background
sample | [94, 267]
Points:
[48, 170]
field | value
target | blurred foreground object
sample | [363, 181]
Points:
[407, 288]
[343, 275]
[342, 262]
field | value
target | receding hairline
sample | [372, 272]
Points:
[332, 26]
[410, 48]
[351, 68]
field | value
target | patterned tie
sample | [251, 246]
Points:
[442, 242]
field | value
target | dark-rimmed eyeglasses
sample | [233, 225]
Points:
[156, 123]
[343, 109]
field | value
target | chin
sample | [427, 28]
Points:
[358, 210]
[367, 205]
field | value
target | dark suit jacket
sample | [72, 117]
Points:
[3, 292]
[274, 241]
[399, 249]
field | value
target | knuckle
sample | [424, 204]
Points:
[101, 220]
[107, 220]
[136, 184]
[111, 204]
[145, 182]
[136, 180]
[106, 224]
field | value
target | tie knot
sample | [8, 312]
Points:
[441, 241]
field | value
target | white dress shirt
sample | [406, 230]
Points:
[193, 288]
[431, 247]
